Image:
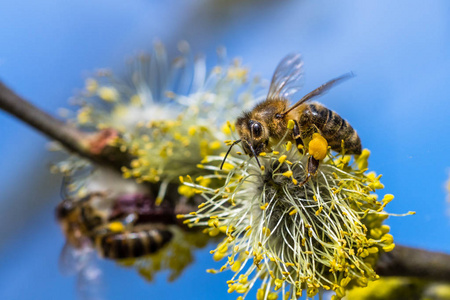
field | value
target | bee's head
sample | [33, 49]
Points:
[65, 208]
[254, 135]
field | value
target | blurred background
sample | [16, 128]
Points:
[398, 102]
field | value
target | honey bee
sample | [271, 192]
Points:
[78, 218]
[139, 241]
[266, 124]
[113, 238]
[114, 233]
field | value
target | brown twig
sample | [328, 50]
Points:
[91, 146]
[402, 261]
[413, 262]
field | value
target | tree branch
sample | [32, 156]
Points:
[91, 146]
[402, 261]
[412, 262]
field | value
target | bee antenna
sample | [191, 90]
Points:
[228, 152]
[256, 157]
[254, 153]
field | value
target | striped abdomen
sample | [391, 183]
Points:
[132, 244]
[332, 126]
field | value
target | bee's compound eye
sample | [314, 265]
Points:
[256, 128]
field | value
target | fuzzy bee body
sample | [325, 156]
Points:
[332, 126]
[85, 226]
[78, 218]
[265, 125]
[132, 243]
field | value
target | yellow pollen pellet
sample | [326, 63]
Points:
[116, 227]
[227, 167]
[387, 198]
[282, 159]
[290, 124]
[387, 238]
[292, 212]
[319, 210]
[287, 174]
[318, 147]
[289, 264]
[266, 231]
[108, 94]
[288, 146]
[192, 130]
[214, 145]
[278, 284]
[372, 250]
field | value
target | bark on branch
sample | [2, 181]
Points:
[91, 146]
[413, 262]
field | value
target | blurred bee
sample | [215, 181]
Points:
[113, 238]
[136, 242]
[111, 233]
[265, 125]
[78, 218]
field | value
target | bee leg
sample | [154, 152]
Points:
[312, 168]
[313, 165]
[309, 132]
[298, 138]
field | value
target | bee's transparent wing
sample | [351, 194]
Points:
[286, 79]
[82, 263]
[320, 90]
[71, 260]
[90, 281]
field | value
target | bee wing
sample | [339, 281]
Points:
[286, 79]
[82, 263]
[72, 260]
[90, 281]
[320, 90]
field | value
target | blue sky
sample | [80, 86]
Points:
[398, 101]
